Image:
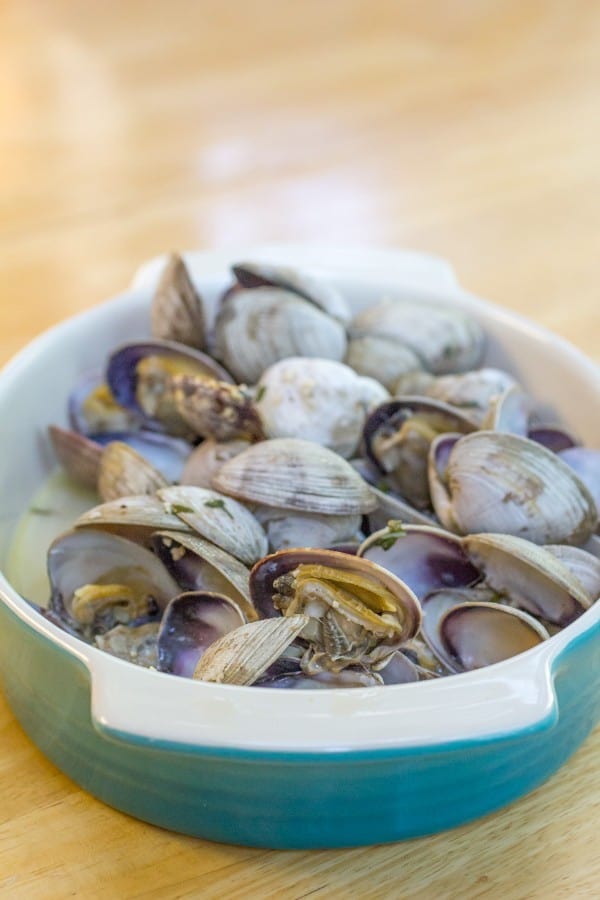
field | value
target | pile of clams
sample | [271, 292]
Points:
[295, 497]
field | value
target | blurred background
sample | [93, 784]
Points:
[466, 128]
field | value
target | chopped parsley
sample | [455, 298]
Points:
[218, 504]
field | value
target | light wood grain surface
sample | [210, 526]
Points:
[467, 129]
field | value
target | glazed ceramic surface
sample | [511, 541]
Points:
[267, 767]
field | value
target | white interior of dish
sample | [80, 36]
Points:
[507, 697]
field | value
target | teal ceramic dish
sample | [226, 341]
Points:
[272, 768]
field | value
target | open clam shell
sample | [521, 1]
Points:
[139, 375]
[397, 436]
[99, 580]
[532, 578]
[219, 519]
[177, 313]
[199, 565]
[135, 518]
[475, 635]
[507, 483]
[78, 455]
[191, 623]
[138, 644]
[423, 557]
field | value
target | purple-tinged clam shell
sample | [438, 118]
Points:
[397, 436]
[160, 360]
[93, 408]
[553, 438]
[481, 634]
[425, 558]
[191, 623]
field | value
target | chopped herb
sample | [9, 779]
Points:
[177, 508]
[218, 504]
[395, 530]
[262, 390]
[383, 486]
[40, 511]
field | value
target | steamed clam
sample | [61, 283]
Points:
[485, 511]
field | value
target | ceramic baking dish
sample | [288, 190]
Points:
[272, 768]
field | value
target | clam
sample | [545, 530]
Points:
[137, 644]
[390, 504]
[191, 623]
[198, 565]
[216, 409]
[320, 292]
[204, 461]
[397, 436]
[293, 528]
[176, 313]
[294, 474]
[319, 400]
[359, 612]
[243, 655]
[256, 328]
[473, 391]
[219, 519]
[489, 481]
[424, 557]
[94, 410]
[529, 576]
[383, 359]
[445, 340]
[136, 518]
[78, 455]
[123, 471]
[471, 635]
[140, 378]
[100, 580]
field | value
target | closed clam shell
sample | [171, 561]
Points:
[496, 482]
[317, 290]
[318, 400]
[176, 313]
[219, 518]
[445, 340]
[293, 474]
[381, 358]
[256, 328]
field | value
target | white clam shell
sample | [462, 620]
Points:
[381, 358]
[496, 482]
[244, 654]
[294, 474]
[256, 328]
[220, 519]
[317, 400]
[124, 472]
[177, 313]
[445, 340]
[286, 528]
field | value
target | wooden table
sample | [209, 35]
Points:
[467, 129]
